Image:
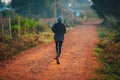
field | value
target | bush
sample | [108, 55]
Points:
[117, 38]
[109, 55]
[111, 50]
[30, 40]
[4, 54]
[26, 25]
[46, 36]
[41, 27]
[111, 22]
[10, 47]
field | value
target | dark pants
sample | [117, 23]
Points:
[58, 47]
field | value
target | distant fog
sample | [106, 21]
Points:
[6, 1]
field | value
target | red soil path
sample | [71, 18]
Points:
[77, 61]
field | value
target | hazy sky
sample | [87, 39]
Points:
[6, 1]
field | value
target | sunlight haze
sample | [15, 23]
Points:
[6, 1]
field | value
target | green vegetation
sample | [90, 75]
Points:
[109, 35]
[107, 8]
[9, 47]
[26, 33]
[108, 51]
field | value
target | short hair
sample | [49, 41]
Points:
[60, 18]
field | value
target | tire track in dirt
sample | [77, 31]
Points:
[77, 60]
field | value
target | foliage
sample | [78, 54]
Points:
[4, 52]
[30, 40]
[46, 36]
[14, 28]
[111, 22]
[109, 38]
[71, 20]
[110, 11]
[26, 25]
[47, 8]
[1, 4]
[109, 54]
[110, 57]
[10, 47]
[91, 15]
[41, 27]
[107, 8]
[44, 8]
[27, 39]
[7, 13]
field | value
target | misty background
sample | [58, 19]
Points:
[45, 9]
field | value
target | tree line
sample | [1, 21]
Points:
[47, 8]
[43, 8]
[107, 8]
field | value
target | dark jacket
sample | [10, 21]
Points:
[59, 29]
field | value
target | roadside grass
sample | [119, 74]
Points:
[47, 36]
[13, 46]
[108, 54]
[104, 32]
[10, 47]
[97, 51]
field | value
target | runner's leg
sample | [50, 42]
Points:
[57, 51]
[60, 46]
[57, 48]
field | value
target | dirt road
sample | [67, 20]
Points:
[77, 60]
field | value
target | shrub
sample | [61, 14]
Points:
[5, 39]
[117, 38]
[26, 25]
[10, 47]
[4, 54]
[110, 56]
[40, 27]
[111, 21]
[46, 36]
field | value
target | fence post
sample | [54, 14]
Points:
[19, 26]
[10, 27]
[2, 29]
[55, 9]
[2, 25]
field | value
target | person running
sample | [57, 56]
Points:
[59, 30]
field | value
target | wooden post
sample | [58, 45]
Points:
[1, 16]
[10, 27]
[2, 29]
[55, 9]
[2, 25]
[19, 26]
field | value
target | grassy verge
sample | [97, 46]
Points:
[108, 53]
[10, 47]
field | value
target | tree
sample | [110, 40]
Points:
[107, 8]
[33, 7]
[1, 4]
[43, 8]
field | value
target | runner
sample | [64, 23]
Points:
[59, 30]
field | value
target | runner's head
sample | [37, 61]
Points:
[60, 18]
